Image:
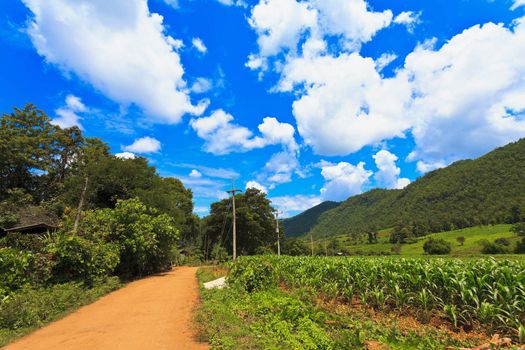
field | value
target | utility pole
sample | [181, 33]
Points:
[233, 191]
[312, 243]
[277, 231]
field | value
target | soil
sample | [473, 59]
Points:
[151, 313]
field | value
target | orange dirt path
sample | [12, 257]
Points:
[151, 313]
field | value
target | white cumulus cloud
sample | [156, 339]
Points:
[388, 173]
[125, 155]
[68, 115]
[117, 46]
[223, 135]
[343, 180]
[144, 145]
[256, 185]
[195, 173]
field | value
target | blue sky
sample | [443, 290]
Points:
[308, 100]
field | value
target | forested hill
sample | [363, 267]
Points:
[302, 223]
[489, 189]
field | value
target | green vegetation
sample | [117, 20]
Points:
[302, 223]
[437, 246]
[475, 240]
[487, 190]
[299, 317]
[482, 292]
[114, 217]
[254, 219]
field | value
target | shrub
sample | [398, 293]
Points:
[519, 228]
[17, 240]
[502, 241]
[76, 258]
[253, 275]
[145, 239]
[14, 270]
[520, 247]
[437, 246]
[460, 240]
[494, 248]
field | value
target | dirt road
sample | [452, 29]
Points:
[152, 313]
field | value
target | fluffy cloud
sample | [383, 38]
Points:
[125, 155]
[195, 173]
[293, 204]
[223, 136]
[352, 19]
[343, 180]
[346, 103]
[68, 115]
[198, 44]
[409, 19]
[119, 47]
[144, 145]
[470, 101]
[282, 24]
[457, 101]
[257, 186]
[388, 173]
[279, 24]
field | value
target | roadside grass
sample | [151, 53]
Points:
[32, 308]
[232, 318]
[474, 236]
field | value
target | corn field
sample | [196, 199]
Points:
[477, 291]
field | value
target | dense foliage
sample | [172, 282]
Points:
[437, 247]
[467, 193]
[43, 171]
[114, 217]
[485, 291]
[144, 238]
[302, 223]
[255, 223]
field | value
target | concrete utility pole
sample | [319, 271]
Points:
[277, 231]
[233, 191]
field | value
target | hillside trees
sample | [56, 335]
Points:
[483, 191]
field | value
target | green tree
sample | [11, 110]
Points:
[27, 150]
[255, 222]
[145, 237]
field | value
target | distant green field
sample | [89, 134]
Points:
[473, 238]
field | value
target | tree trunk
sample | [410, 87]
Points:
[80, 206]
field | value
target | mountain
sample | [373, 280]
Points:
[302, 223]
[486, 190]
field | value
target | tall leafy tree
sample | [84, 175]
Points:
[255, 222]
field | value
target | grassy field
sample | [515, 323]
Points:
[472, 246]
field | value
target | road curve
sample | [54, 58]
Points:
[151, 313]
